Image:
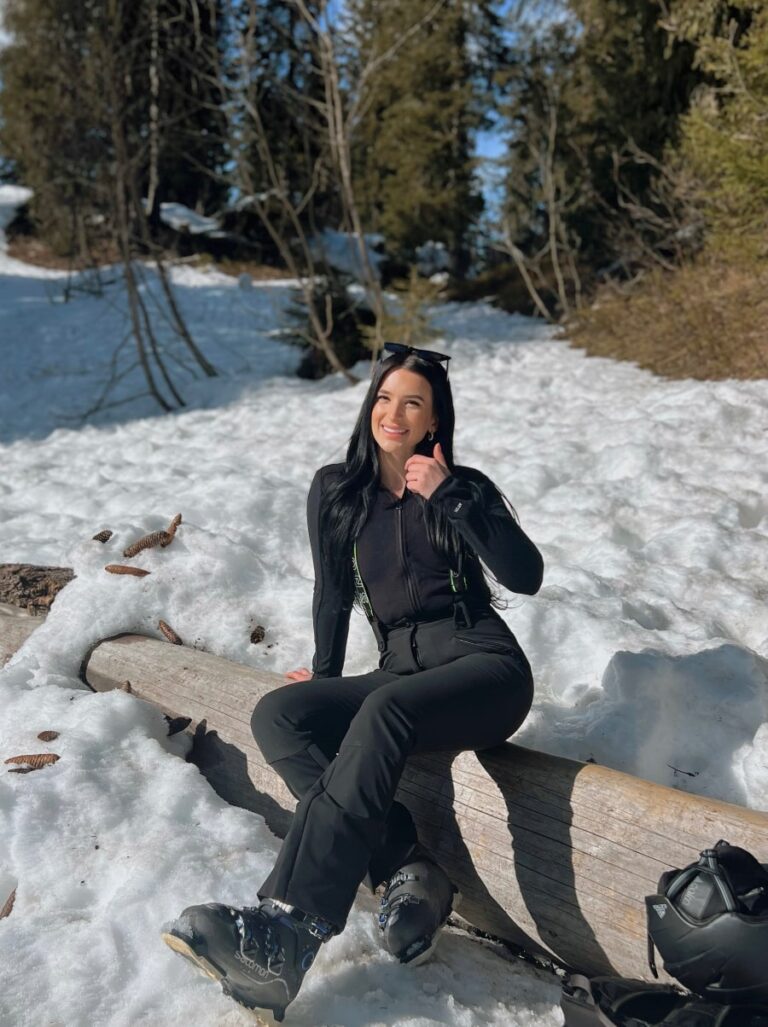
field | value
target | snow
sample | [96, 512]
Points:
[340, 250]
[433, 259]
[648, 639]
[180, 217]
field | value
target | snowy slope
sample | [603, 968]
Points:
[649, 638]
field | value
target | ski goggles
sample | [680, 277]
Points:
[425, 354]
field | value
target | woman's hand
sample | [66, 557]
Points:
[424, 473]
[302, 674]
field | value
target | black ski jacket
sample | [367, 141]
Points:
[405, 578]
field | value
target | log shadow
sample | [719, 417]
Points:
[539, 821]
[225, 767]
[540, 854]
[427, 789]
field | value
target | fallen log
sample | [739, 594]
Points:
[553, 855]
[30, 587]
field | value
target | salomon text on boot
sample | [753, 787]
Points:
[416, 903]
[259, 954]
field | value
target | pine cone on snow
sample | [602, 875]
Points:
[121, 568]
[155, 538]
[6, 910]
[169, 633]
[32, 762]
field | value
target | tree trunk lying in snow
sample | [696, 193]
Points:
[551, 854]
[33, 588]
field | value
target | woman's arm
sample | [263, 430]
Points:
[330, 608]
[476, 509]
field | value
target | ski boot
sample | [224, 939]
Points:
[259, 954]
[417, 901]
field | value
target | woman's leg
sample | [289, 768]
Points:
[474, 702]
[299, 728]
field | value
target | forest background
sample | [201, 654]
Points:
[627, 200]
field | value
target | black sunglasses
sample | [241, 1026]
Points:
[425, 354]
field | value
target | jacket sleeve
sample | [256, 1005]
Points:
[477, 511]
[330, 607]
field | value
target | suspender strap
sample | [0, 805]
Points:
[360, 589]
[460, 589]
[379, 629]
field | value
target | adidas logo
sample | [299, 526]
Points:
[660, 910]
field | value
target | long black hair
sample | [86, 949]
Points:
[350, 496]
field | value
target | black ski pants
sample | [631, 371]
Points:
[340, 744]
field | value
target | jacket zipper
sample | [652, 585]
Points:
[401, 546]
[411, 591]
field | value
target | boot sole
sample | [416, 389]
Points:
[262, 1015]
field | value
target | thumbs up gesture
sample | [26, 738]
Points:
[424, 473]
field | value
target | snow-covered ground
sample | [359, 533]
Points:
[648, 639]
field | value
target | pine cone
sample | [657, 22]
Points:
[48, 736]
[120, 568]
[172, 528]
[33, 762]
[155, 538]
[103, 536]
[169, 633]
[6, 910]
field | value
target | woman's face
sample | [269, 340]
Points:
[403, 402]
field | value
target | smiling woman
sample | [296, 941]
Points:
[402, 415]
[400, 529]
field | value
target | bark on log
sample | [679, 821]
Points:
[30, 587]
[551, 854]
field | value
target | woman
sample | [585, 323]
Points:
[401, 529]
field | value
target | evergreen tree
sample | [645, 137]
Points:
[183, 69]
[421, 105]
[614, 86]
[548, 193]
[279, 134]
[53, 124]
[726, 133]
[58, 111]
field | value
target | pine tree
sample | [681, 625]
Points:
[88, 132]
[614, 86]
[413, 143]
[726, 133]
[184, 80]
[57, 115]
[53, 124]
[275, 88]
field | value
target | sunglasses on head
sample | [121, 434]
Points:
[425, 354]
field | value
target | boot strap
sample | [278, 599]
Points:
[315, 925]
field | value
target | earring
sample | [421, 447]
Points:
[431, 436]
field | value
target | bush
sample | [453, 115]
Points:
[705, 320]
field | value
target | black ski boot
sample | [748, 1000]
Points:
[260, 954]
[417, 901]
